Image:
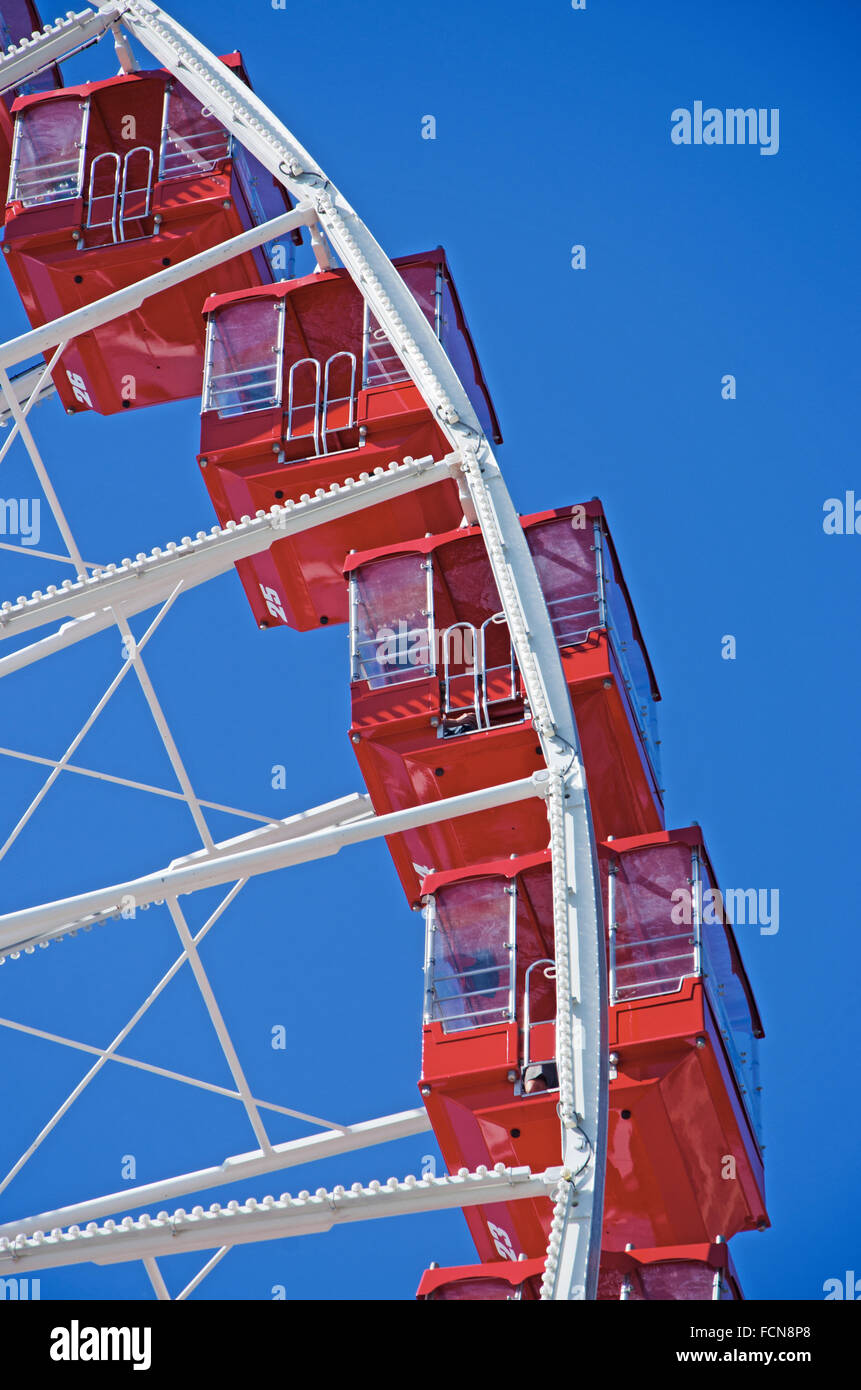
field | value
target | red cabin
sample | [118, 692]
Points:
[110, 182]
[438, 706]
[303, 389]
[687, 1273]
[684, 1163]
[684, 1156]
[488, 1078]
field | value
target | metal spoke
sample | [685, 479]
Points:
[135, 786]
[218, 1024]
[87, 725]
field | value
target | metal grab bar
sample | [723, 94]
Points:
[93, 197]
[498, 619]
[446, 668]
[145, 188]
[307, 405]
[480, 699]
[549, 974]
[328, 401]
[120, 192]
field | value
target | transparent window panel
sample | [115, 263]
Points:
[382, 365]
[631, 658]
[456, 344]
[565, 561]
[653, 953]
[470, 969]
[392, 628]
[727, 990]
[243, 357]
[686, 1280]
[47, 164]
[193, 141]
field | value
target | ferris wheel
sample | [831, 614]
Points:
[347, 448]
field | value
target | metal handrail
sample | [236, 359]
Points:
[527, 1020]
[145, 188]
[100, 197]
[446, 668]
[291, 406]
[339, 400]
[497, 619]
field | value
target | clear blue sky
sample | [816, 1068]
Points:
[553, 128]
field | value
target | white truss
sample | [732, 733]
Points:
[31, 387]
[135, 585]
[270, 1219]
[581, 986]
[105, 310]
[310, 1149]
[55, 41]
[33, 925]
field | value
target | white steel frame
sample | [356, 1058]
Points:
[102, 597]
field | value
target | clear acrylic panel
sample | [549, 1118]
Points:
[471, 959]
[392, 628]
[243, 357]
[48, 155]
[193, 140]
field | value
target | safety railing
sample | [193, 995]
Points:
[474, 663]
[129, 210]
[106, 163]
[331, 402]
[303, 412]
[119, 210]
[549, 973]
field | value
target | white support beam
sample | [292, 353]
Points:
[55, 42]
[270, 1219]
[344, 810]
[129, 782]
[135, 585]
[21, 930]
[202, 1273]
[157, 1280]
[112, 306]
[23, 385]
[311, 1148]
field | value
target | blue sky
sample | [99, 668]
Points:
[553, 129]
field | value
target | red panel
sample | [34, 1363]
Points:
[306, 570]
[684, 1272]
[683, 1165]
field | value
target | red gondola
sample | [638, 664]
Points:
[303, 389]
[684, 1162]
[438, 705]
[110, 182]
